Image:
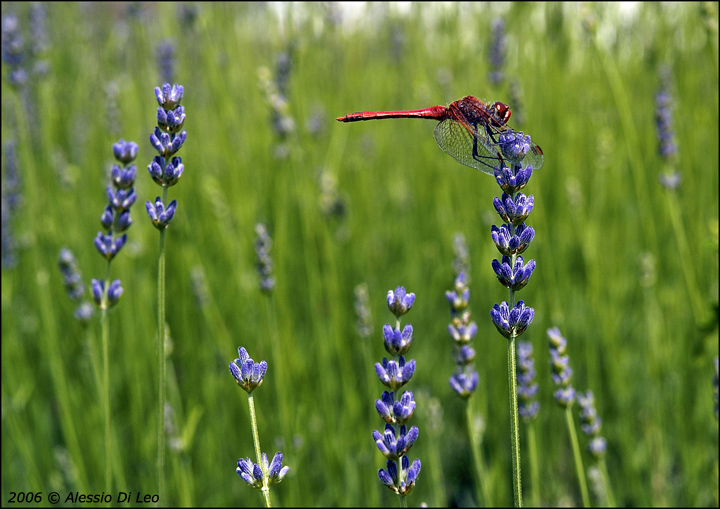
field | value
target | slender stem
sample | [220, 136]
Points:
[161, 363]
[606, 483]
[256, 441]
[578, 457]
[514, 425]
[105, 326]
[480, 471]
[403, 500]
[534, 470]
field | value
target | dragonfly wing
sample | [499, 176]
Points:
[466, 147]
[534, 157]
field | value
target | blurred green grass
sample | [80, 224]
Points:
[599, 210]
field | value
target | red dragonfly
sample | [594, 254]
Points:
[468, 130]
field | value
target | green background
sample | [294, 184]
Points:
[626, 269]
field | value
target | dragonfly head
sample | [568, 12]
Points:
[501, 112]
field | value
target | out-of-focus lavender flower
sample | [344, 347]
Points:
[461, 262]
[13, 50]
[393, 408]
[102, 299]
[332, 205]
[363, 315]
[11, 201]
[166, 61]
[264, 263]
[281, 121]
[527, 389]
[670, 180]
[316, 124]
[667, 146]
[72, 278]
[74, 286]
[248, 374]
[516, 100]
[497, 51]
[561, 371]
[38, 42]
[465, 379]
[591, 424]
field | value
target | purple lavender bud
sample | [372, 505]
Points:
[276, 471]
[403, 410]
[114, 292]
[123, 178]
[158, 215]
[156, 169]
[464, 384]
[513, 321]
[464, 355]
[98, 289]
[123, 222]
[399, 301]
[412, 474]
[396, 342]
[514, 145]
[169, 97]
[250, 472]
[122, 199]
[107, 218]
[173, 171]
[385, 478]
[248, 374]
[384, 406]
[511, 183]
[125, 151]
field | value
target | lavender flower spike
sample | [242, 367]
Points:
[248, 374]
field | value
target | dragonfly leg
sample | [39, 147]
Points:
[481, 158]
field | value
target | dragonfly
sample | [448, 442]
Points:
[468, 130]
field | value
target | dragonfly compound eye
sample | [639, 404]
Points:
[502, 112]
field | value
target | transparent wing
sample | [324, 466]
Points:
[472, 149]
[477, 147]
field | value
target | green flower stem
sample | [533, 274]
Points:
[403, 500]
[534, 470]
[512, 387]
[514, 425]
[256, 440]
[161, 363]
[578, 457]
[105, 328]
[606, 483]
[480, 472]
